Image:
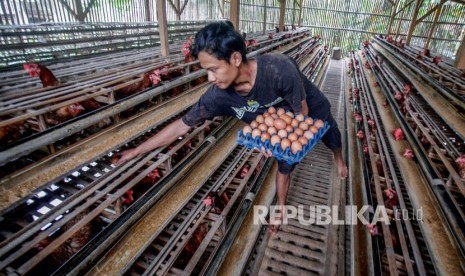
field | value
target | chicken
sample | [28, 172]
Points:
[358, 118]
[373, 230]
[437, 60]
[13, 132]
[367, 65]
[390, 39]
[420, 56]
[398, 134]
[372, 124]
[408, 154]
[244, 171]
[360, 135]
[46, 76]
[192, 245]
[407, 89]
[148, 79]
[189, 57]
[427, 53]
[463, 74]
[391, 198]
[366, 43]
[217, 201]
[64, 113]
[365, 149]
[461, 164]
[379, 166]
[140, 188]
[399, 97]
[71, 246]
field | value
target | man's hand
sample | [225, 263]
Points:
[342, 170]
[266, 153]
[124, 156]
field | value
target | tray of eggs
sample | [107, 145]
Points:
[288, 137]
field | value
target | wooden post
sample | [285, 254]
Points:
[178, 12]
[460, 58]
[413, 23]
[163, 27]
[264, 16]
[300, 14]
[282, 11]
[435, 22]
[234, 13]
[147, 10]
[393, 15]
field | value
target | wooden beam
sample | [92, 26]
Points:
[413, 24]
[147, 10]
[300, 14]
[264, 16]
[460, 57]
[178, 10]
[234, 12]
[282, 12]
[435, 22]
[427, 14]
[393, 16]
[163, 27]
[405, 6]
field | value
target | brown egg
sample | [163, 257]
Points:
[282, 133]
[286, 118]
[299, 132]
[303, 126]
[303, 141]
[289, 128]
[275, 139]
[274, 116]
[295, 147]
[265, 136]
[246, 130]
[256, 133]
[272, 130]
[300, 117]
[285, 143]
[269, 121]
[314, 129]
[279, 124]
[290, 114]
[260, 119]
[294, 123]
[254, 124]
[308, 134]
[280, 111]
[309, 121]
[266, 115]
[263, 127]
[319, 124]
[292, 137]
[272, 110]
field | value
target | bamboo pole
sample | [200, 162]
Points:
[234, 13]
[282, 12]
[162, 27]
[264, 16]
[460, 58]
[413, 22]
[435, 20]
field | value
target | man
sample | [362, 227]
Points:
[244, 89]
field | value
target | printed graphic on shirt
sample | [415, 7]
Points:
[253, 106]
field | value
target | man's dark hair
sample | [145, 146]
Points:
[220, 40]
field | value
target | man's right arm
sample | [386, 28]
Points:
[165, 137]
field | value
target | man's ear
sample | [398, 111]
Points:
[236, 58]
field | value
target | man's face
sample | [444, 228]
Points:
[221, 73]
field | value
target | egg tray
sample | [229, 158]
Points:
[277, 151]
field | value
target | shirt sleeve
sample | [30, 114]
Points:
[292, 86]
[204, 109]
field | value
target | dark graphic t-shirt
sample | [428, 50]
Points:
[279, 83]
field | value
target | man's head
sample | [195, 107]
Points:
[220, 40]
[221, 51]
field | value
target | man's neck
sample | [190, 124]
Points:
[247, 76]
